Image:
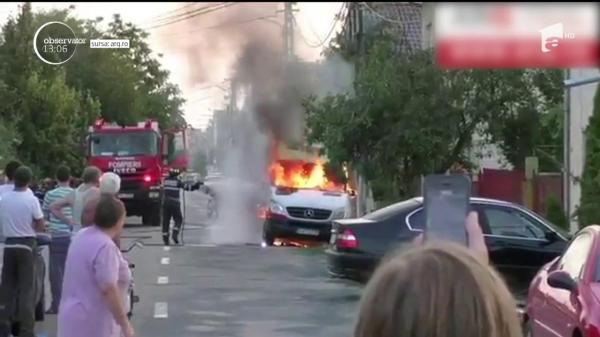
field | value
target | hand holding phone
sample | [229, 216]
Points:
[474, 236]
[447, 202]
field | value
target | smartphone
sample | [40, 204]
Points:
[447, 203]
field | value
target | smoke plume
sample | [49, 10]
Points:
[241, 43]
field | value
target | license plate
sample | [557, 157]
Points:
[125, 195]
[305, 231]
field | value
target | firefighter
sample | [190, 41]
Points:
[172, 205]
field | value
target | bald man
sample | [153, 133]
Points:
[110, 183]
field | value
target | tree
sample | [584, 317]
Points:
[8, 142]
[406, 118]
[555, 213]
[130, 83]
[588, 211]
[44, 115]
[52, 117]
[523, 109]
[46, 109]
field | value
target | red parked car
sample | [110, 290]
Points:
[564, 297]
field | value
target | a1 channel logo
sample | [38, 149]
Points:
[552, 35]
[55, 42]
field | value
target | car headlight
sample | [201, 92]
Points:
[339, 213]
[276, 208]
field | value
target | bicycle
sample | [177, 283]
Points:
[131, 298]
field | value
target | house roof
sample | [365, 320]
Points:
[405, 19]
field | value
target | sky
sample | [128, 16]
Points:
[314, 23]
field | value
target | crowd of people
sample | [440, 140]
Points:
[429, 290]
[89, 276]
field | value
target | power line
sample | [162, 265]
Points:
[224, 24]
[166, 14]
[192, 14]
[312, 45]
[336, 18]
[187, 13]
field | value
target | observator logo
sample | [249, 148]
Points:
[55, 42]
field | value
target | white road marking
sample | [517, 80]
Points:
[165, 260]
[161, 310]
[167, 248]
[163, 280]
[204, 245]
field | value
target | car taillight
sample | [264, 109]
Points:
[347, 239]
[147, 178]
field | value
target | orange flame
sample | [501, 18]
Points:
[302, 175]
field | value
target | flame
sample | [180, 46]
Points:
[302, 175]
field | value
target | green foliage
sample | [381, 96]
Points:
[407, 118]
[8, 143]
[524, 106]
[589, 212]
[555, 213]
[549, 148]
[46, 109]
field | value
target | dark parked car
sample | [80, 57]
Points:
[564, 298]
[520, 242]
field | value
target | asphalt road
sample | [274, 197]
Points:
[210, 288]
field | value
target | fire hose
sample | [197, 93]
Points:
[183, 222]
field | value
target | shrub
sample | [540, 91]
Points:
[555, 213]
[589, 212]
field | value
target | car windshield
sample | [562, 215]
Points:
[124, 144]
[391, 210]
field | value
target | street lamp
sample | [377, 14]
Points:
[570, 83]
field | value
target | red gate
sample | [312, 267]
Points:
[502, 185]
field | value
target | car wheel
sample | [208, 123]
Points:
[268, 238]
[15, 328]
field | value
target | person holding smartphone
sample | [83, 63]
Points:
[475, 239]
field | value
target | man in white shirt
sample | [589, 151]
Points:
[21, 218]
[10, 169]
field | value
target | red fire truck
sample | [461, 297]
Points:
[141, 155]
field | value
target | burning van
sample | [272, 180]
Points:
[304, 201]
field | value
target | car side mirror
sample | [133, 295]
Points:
[562, 280]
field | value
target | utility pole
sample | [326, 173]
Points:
[288, 31]
[234, 90]
[570, 83]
